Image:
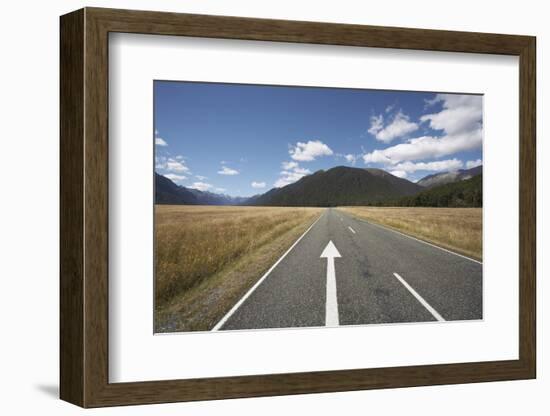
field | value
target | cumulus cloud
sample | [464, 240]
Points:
[473, 163]
[200, 177]
[437, 166]
[287, 178]
[160, 142]
[201, 186]
[160, 162]
[461, 114]
[257, 185]
[350, 158]
[291, 173]
[174, 165]
[170, 164]
[376, 124]
[425, 147]
[228, 171]
[175, 178]
[460, 121]
[399, 126]
[306, 152]
[428, 102]
[301, 171]
[399, 173]
[289, 165]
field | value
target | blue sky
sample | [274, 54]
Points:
[246, 139]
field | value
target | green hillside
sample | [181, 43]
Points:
[338, 186]
[462, 194]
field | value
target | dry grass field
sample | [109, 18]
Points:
[458, 229]
[207, 257]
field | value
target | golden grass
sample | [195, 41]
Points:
[207, 257]
[458, 229]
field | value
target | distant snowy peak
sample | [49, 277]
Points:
[449, 177]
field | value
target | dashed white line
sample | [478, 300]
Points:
[435, 314]
[352, 230]
[253, 288]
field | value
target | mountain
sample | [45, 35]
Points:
[211, 198]
[461, 194]
[449, 177]
[338, 186]
[167, 192]
[342, 186]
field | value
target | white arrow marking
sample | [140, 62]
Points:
[331, 317]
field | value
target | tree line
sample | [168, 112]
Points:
[462, 194]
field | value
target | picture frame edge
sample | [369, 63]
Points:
[84, 214]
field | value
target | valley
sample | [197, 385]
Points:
[383, 242]
[344, 186]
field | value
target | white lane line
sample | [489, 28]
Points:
[253, 288]
[435, 314]
[351, 229]
[331, 310]
[421, 241]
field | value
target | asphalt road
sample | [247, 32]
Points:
[380, 277]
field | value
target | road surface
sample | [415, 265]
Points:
[346, 271]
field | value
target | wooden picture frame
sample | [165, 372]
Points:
[84, 207]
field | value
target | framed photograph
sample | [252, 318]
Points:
[255, 207]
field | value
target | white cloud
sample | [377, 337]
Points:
[175, 178]
[350, 158]
[174, 165]
[473, 163]
[228, 171]
[160, 162]
[301, 171]
[287, 178]
[432, 101]
[399, 173]
[461, 123]
[438, 166]
[201, 186]
[200, 177]
[399, 126]
[306, 152]
[291, 173]
[376, 124]
[160, 142]
[258, 185]
[461, 114]
[425, 147]
[170, 164]
[219, 190]
[289, 165]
